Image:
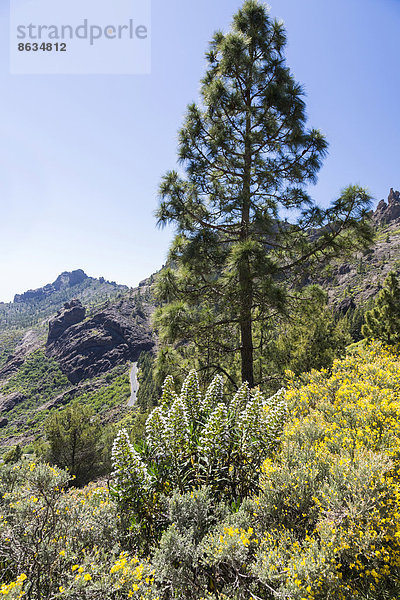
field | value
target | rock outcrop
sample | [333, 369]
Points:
[11, 401]
[72, 313]
[352, 280]
[345, 305]
[386, 213]
[86, 348]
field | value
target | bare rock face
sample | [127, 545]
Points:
[86, 348]
[385, 213]
[72, 313]
[11, 401]
[345, 305]
[343, 269]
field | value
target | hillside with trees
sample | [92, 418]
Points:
[260, 458]
[79, 356]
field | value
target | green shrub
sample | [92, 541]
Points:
[75, 442]
[59, 543]
[13, 455]
[194, 440]
[178, 561]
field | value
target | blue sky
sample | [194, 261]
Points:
[81, 157]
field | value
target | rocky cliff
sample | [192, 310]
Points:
[388, 212]
[85, 348]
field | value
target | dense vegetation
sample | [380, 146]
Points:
[39, 386]
[149, 391]
[321, 519]
[383, 320]
[36, 379]
[309, 335]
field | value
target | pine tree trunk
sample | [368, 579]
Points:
[246, 305]
[245, 280]
[246, 332]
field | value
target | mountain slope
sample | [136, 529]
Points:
[76, 338]
[82, 353]
[351, 283]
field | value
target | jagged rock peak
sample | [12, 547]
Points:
[385, 213]
[66, 279]
[72, 314]
[69, 279]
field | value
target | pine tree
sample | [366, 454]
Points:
[248, 157]
[382, 322]
[75, 443]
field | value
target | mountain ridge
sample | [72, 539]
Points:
[66, 279]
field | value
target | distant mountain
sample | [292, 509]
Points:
[68, 284]
[32, 308]
[64, 281]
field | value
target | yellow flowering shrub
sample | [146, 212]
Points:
[14, 589]
[46, 529]
[328, 518]
[320, 522]
[101, 574]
